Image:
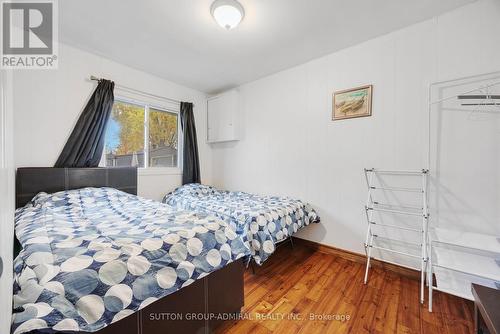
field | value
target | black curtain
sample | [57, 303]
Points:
[86, 143]
[191, 162]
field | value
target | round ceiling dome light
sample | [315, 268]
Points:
[227, 13]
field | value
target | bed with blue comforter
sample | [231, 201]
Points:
[265, 220]
[93, 256]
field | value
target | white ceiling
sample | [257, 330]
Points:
[179, 41]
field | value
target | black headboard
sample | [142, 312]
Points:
[32, 180]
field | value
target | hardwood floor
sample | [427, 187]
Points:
[293, 286]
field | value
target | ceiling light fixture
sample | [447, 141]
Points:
[227, 13]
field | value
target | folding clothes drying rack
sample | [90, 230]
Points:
[418, 211]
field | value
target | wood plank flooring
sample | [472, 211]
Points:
[306, 291]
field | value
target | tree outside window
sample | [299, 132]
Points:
[128, 127]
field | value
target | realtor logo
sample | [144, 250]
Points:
[29, 34]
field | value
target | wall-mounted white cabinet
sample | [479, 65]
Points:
[223, 117]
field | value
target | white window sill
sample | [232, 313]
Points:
[159, 171]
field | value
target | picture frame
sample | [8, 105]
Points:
[352, 103]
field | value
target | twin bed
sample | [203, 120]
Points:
[265, 220]
[97, 258]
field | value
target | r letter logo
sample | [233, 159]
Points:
[29, 34]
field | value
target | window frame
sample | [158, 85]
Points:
[147, 170]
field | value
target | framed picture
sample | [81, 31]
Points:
[351, 103]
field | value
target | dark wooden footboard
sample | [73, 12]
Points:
[198, 308]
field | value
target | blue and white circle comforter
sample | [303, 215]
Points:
[266, 220]
[93, 256]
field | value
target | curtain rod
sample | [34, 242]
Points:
[133, 90]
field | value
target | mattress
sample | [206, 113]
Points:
[93, 256]
[265, 220]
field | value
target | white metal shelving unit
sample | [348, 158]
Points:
[417, 211]
[457, 259]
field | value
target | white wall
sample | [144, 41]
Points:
[292, 147]
[6, 199]
[48, 103]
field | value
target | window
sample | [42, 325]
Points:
[141, 135]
